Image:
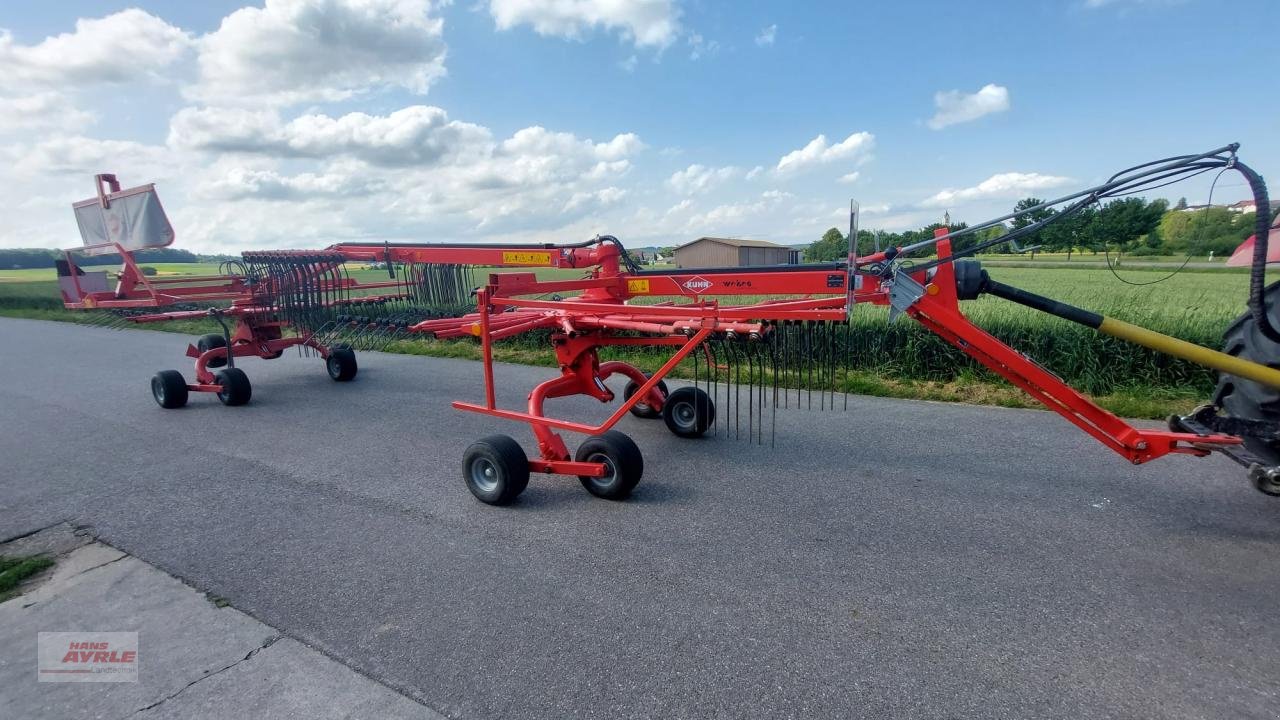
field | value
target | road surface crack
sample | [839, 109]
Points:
[268, 643]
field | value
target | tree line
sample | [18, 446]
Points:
[25, 258]
[1128, 225]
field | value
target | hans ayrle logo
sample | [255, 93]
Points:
[696, 284]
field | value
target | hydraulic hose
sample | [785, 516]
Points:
[1258, 271]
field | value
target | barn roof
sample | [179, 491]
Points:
[736, 242]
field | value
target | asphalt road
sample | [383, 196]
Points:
[903, 559]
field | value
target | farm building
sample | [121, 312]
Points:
[733, 252]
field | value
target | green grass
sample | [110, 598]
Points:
[13, 570]
[905, 360]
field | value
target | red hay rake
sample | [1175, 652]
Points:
[794, 328]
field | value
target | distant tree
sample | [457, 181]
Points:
[1122, 222]
[1031, 218]
[1182, 204]
[832, 246]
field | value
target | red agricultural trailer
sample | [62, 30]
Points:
[792, 334]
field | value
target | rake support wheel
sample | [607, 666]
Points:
[643, 409]
[341, 364]
[622, 461]
[495, 469]
[236, 389]
[209, 342]
[689, 412]
[169, 389]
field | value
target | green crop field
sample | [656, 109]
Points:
[902, 359]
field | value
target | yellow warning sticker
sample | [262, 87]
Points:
[525, 258]
[637, 287]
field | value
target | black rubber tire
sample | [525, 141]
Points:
[1245, 398]
[689, 412]
[209, 342]
[640, 409]
[169, 389]
[341, 364]
[622, 459]
[236, 389]
[495, 469]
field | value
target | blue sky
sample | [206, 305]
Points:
[300, 122]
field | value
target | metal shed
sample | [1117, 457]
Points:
[733, 252]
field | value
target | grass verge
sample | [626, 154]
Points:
[13, 570]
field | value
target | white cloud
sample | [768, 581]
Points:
[43, 112]
[958, 107]
[245, 183]
[700, 178]
[755, 172]
[767, 36]
[77, 155]
[416, 135]
[113, 49]
[294, 51]
[848, 178]
[1003, 185]
[629, 65]
[646, 23]
[699, 46]
[734, 216]
[820, 152]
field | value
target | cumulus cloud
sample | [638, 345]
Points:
[418, 166]
[77, 155]
[848, 178]
[767, 36]
[731, 216]
[245, 183]
[955, 107]
[1002, 185]
[700, 178]
[416, 135]
[645, 23]
[41, 111]
[295, 51]
[820, 152]
[113, 49]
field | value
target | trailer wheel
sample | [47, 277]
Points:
[236, 389]
[495, 469]
[341, 364]
[622, 461]
[209, 342]
[642, 409]
[169, 389]
[1247, 399]
[688, 412]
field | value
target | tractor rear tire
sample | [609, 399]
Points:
[341, 364]
[623, 464]
[169, 389]
[643, 409]
[689, 412]
[495, 469]
[209, 342]
[236, 389]
[1247, 399]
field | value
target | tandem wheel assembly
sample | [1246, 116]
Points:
[496, 469]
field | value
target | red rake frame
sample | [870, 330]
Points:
[582, 325]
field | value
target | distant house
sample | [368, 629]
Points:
[1244, 206]
[733, 252]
